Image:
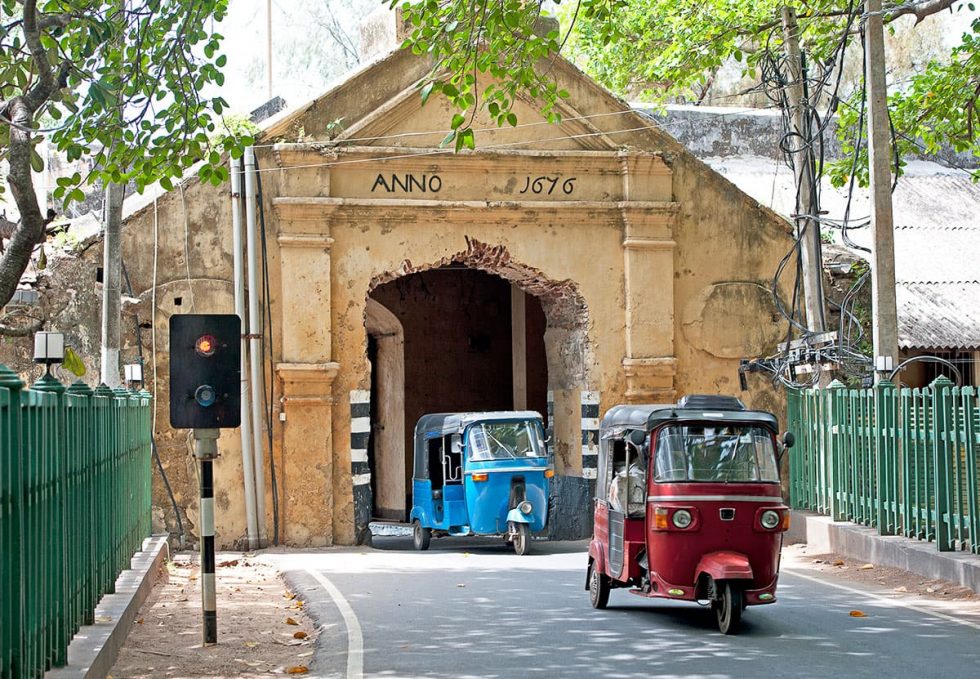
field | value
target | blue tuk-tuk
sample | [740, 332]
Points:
[480, 474]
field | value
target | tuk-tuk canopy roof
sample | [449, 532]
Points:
[441, 424]
[698, 407]
[451, 423]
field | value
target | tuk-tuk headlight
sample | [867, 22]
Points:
[769, 519]
[682, 518]
[525, 507]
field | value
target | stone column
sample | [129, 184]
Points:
[307, 502]
[518, 333]
[307, 375]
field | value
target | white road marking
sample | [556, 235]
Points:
[889, 600]
[355, 642]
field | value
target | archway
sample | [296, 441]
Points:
[474, 332]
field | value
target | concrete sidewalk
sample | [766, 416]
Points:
[94, 648]
[823, 535]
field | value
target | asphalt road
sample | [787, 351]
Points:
[470, 608]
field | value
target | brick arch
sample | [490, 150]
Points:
[566, 338]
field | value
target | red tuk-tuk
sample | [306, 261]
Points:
[688, 505]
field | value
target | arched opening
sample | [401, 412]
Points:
[474, 332]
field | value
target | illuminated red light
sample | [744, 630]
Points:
[205, 345]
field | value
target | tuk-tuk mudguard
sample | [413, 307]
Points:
[515, 516]
[725, 566]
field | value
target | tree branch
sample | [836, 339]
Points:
[921, 10]
[21, 331]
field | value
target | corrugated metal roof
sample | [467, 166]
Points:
[939, 315]
[938, 283]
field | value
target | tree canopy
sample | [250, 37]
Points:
[668, 50]
[120, 82]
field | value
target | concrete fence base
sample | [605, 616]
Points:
[824, 535]
[94, 649]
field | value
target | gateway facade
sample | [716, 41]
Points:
[558, 268]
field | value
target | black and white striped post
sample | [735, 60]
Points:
[206, 451]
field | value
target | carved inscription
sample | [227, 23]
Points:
[407, 183]
[547, 185]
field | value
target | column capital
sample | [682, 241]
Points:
[650, 379]
[307, 383]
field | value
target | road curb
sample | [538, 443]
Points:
[824, 535]
[94, 649]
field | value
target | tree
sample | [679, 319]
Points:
[122, 83]
[671, 49]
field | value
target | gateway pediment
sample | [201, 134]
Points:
[405, 122]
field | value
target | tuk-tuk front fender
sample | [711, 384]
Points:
[419, 515]
[725, 566]
[516, 516]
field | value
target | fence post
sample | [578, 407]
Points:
[84, 521]
[55, 573]
[793, 425]
[833, 426]
[887, 457]
[14, 658]
[942, 406]
[969, 395]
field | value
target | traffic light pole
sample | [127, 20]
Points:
[206, 451]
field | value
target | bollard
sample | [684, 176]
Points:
[206, 450]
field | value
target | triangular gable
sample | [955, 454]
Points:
[405, 121]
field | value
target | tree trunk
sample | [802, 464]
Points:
[31, 228]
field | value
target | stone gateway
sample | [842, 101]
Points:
[558, 268]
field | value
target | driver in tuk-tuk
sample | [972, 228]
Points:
[629, 482]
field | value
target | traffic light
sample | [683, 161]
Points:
[205, 371]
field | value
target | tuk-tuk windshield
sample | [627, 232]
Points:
[505, 440]
[706, 452]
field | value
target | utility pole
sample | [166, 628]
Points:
[268, 44]
[884, 321]
[807, 223]
[111, 283]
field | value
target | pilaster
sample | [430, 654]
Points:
[307, 452]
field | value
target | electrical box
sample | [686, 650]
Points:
[205, 371]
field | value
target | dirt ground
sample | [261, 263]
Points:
[883, 577]
[262, 629]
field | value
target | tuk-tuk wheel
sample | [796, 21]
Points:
[728, 607]
[522, 539]
[421, 536]
[598, 588]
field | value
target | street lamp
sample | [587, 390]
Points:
[49, 348]
[134, 374]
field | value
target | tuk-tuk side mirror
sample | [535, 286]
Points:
[638, 437]
[456, 444]
[789, 439]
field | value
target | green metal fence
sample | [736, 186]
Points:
[904, 461]
[74, 507]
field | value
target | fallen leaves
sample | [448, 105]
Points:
[300, 635]
[298, 669]
[290, 621]
[866, 567]
[227, 564]
[858, 614]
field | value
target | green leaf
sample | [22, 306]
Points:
[426, 91]
[73, 363]
[37, 162]
[458, 120]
